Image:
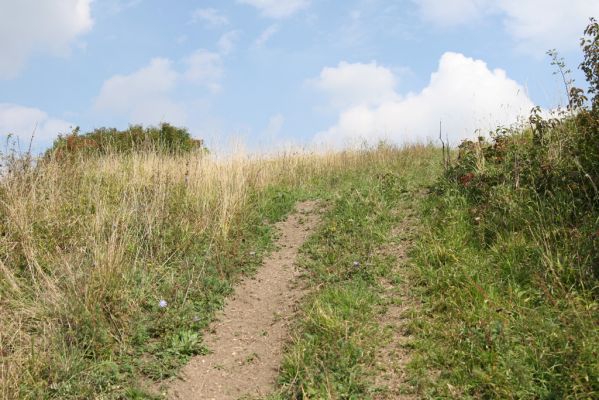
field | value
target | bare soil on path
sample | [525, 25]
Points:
[247, 339]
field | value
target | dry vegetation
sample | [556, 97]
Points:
[88, 247]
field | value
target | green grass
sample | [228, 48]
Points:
[486, 331]
[332, 352]
[88, 248]
[488, 328]
[508, 262]
[195, 282]
[507, 269]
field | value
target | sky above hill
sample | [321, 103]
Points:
[271, 73]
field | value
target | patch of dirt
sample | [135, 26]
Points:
[247, 339]
[391, 360]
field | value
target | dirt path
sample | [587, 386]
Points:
[392, 359]
[247, 339]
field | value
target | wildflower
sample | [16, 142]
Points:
[162, 303]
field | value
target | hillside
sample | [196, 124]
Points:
[378, 273]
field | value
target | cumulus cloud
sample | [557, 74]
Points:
[534, 24]
[356, 84]
[277, 8]
[463, 93]
[144, 95]
[29, 27]
[210, 16]
[23, 122]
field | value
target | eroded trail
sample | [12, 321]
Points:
[247, 339]
[392, 359]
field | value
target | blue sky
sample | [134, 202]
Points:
[271, 73]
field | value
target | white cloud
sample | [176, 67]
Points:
[354, 84]
[535, 25]
[205, 68]
[23, 122]
[453, 12]
[226, 43]
[147, 95]
[277, 8]
[464, 93]
[29, 27]
[144, 95]
[210, 16]
[543, 24]
[118, 6]
[274, 127]
[266, 35]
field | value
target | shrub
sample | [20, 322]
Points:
[164, 138]
[552, 165]
[509, 263]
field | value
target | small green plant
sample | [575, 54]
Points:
[590, 65]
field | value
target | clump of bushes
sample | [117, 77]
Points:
[509, 264]
[553, 163]
[164, 138]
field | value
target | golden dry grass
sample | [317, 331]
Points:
[86, 246]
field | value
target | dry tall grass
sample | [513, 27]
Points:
[87, 246]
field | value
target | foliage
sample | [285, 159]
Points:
[163, 138]
[553, 164]
[509, 266]
[590, 65]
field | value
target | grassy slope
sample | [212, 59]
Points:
[335, 341]
[488, 332]
[88, 252]
[505, 269]
[89, 249]
[508, 270]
